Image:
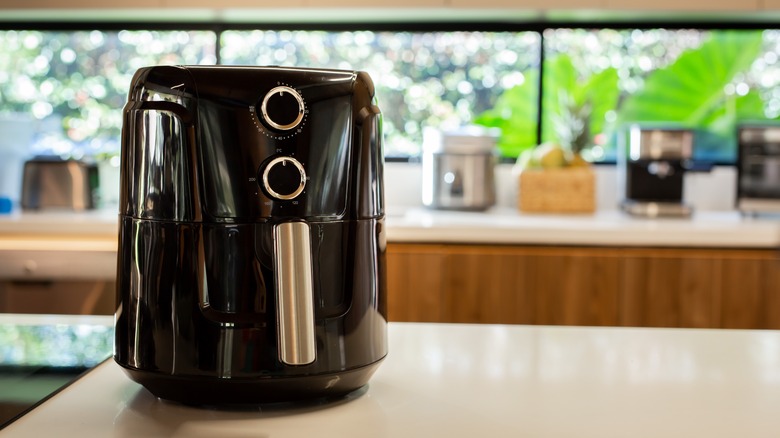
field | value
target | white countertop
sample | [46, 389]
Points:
[60, 245]
[60, 222]
[726, 229]
[603, 228]
[480, 381]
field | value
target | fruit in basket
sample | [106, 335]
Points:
[550, 156]
[557, 181]
[527, 160]
[578, 161]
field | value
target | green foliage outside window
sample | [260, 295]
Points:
[437, 80]
[78, 81]
[704, 89]
[705, 81]
[595, 81]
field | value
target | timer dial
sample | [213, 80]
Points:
[284, 178]
[283, 108]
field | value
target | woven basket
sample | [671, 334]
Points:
[565, 190]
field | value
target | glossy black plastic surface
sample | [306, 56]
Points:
[644, 185]
[195, 276]
[204, 145]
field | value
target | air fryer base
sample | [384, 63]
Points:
[210, 391]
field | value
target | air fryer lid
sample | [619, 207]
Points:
[233, 122]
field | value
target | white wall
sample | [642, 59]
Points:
[713, 191]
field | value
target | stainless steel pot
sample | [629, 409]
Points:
[458, 169]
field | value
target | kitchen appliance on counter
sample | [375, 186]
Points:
[758, 168]
[251, 263]
[458, 169]
[651, 170]
[51, 182]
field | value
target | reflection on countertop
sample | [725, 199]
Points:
[462, 380]
[39, 354]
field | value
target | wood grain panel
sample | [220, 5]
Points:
[574, 286]
[551, 286]
[648, 287]
[487, 285]
[751, 292]
[494, 284]
[415, 283]
[662, 289]
[691, 6]
[64, 297]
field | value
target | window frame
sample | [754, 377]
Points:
[487, 25]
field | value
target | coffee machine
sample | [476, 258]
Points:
[651, 169]
[251, 264]
[758, 168]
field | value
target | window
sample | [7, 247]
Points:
[601, 81]
[438, 80]
[66, 89]
[69, 86]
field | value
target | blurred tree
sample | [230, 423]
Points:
[427, 79]
[81, 79]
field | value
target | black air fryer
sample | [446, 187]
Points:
[251, 244]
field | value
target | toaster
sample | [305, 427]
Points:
[59, 184]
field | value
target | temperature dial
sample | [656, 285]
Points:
[283, 108]
[284, 178]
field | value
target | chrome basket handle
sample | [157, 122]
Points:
[294, 293]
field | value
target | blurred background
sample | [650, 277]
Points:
[61, 91]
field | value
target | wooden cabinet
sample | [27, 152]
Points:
[701, 288]
[750, 291]
[61, 297]
[416, 284]
[673, 5]
[536, 285]
[584, 286]
[662, 288]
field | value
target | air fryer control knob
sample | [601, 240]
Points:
[283, 108]
[284, 178]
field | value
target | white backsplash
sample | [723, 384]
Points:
[713, 191]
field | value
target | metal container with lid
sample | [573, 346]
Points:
[458, 168]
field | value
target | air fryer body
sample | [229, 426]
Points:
[251, 245]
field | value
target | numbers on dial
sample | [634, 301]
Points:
[284, 178]
[281, 114]
[282, 108]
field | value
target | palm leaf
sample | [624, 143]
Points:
[515, 115]
[689, 90]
